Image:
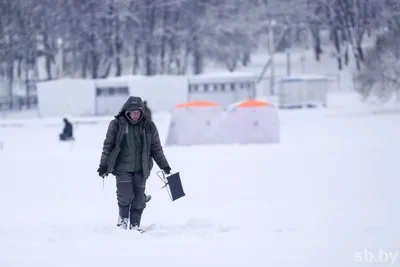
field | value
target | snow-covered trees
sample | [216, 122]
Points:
[348, 22]
[100, 38]
[380, 72]
[380, 75]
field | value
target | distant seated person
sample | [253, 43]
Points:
[67, 133]
[147, 111]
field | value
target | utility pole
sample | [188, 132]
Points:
[60, 58]
[288, 54]
[271, 52]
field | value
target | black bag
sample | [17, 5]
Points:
[174, 184]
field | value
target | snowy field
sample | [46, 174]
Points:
[328, 191]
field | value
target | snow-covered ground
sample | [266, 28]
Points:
[328, 191]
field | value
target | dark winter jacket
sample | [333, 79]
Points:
[147, 111]
[151, 146]
[130, 156]
[68, 129]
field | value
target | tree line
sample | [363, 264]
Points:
[102, 38]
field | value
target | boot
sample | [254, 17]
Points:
[123, 223]
[147, 197]
[123, 217]
[135, 218]
[136, 228]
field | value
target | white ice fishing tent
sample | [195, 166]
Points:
[250, 122]
[194, 123]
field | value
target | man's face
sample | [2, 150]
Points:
[135, 115]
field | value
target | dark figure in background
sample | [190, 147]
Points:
[147, 111]
[130, 145]
[67, 133]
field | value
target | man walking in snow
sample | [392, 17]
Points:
[131, 144]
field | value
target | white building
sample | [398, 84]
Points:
[222, 88]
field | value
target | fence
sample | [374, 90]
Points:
[18, 103]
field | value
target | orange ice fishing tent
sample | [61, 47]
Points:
[194, 123]
[250, 122]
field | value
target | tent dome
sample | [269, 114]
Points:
[196, 104]
[253, 103]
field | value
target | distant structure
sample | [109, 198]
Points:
[194, 123]
[110, 96]
[259, 124]
[104, 97]
[207, 123]
[303, 91]
[224, 89]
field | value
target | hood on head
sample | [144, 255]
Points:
[133, 103]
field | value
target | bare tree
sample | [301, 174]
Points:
[100, 38]
[381, 73]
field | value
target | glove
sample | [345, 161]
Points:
[102, 170]
[167, 170]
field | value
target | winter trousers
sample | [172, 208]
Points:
[131, 195]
